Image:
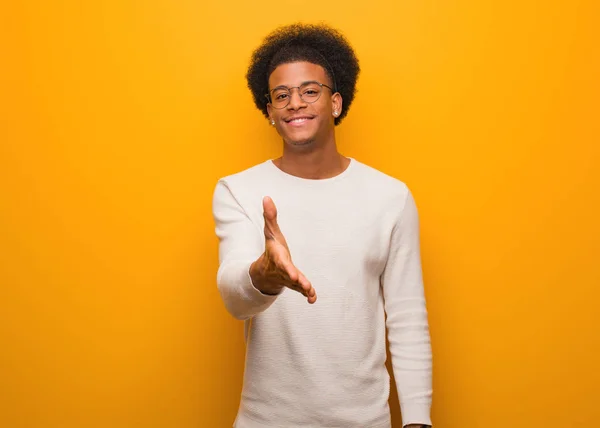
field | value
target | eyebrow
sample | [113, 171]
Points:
[287, 87]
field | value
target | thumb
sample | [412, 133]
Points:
[270, 215]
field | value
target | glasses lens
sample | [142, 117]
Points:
[280, 97]
[310, 92]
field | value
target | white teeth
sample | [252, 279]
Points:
[302, 119]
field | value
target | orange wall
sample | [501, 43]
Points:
[117, 118]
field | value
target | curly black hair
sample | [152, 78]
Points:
[315, 43]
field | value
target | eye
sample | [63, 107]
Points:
[281, 96]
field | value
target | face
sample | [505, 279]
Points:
[303, 124]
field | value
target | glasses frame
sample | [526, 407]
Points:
[270, 101]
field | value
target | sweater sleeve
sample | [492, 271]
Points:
[406, 317]
[240, 245]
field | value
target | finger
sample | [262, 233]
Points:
[307, 291]
[292, 272]
[270, 215]
[294, 285]
[297, 288]
[304, 286]
[311, 295]
[304, 283]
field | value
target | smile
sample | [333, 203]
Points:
[298, 121]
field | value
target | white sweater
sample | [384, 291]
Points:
[356, 238]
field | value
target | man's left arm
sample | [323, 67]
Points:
[407, 323]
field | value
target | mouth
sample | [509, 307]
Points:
[298, 120]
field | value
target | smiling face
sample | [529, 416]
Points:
[303, 123]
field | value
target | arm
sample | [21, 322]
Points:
[408, 328]
[240, 245]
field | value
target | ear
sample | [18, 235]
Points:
[336, 104]
[269, 108]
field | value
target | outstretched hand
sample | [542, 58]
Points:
[274, 269]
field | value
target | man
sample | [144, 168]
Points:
[315, 250]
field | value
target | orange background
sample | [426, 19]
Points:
[117, 118]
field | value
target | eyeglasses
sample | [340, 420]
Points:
[309, 92]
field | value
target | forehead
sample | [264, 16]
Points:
[295, 73]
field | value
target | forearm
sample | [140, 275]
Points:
[410, 349]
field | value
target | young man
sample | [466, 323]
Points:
[318, 254]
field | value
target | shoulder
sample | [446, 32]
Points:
[247, 176]
[241, 188]
[383, 185]
[392, 196]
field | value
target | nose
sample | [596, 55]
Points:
[295, 100]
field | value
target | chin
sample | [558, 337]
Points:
[300, 142]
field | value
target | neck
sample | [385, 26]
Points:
[317, 163]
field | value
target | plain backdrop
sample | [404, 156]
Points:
[118, 117]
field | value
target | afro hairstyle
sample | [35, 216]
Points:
[315, 43]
